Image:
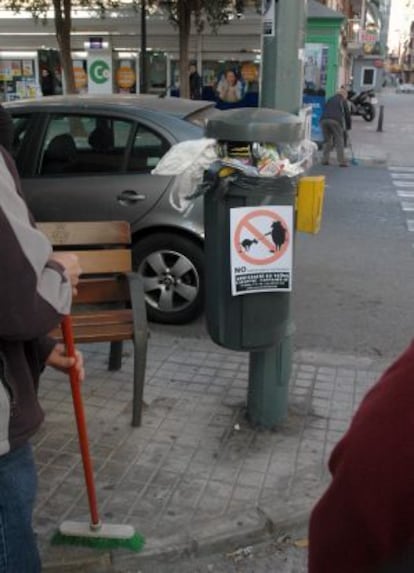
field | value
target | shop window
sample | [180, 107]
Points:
[230, 82]
[157, 72]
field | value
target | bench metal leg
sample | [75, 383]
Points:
[115, 355]
[140, 344]
[140, 361]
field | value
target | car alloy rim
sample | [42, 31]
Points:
[171, 281]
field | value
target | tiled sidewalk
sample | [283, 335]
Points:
[195, 475]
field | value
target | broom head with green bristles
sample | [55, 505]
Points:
[105, 536]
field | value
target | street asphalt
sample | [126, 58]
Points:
[209, 492]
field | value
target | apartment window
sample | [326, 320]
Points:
[368, 77]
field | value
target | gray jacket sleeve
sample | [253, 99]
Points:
[34, 292]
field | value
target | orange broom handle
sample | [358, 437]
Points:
[67, 332]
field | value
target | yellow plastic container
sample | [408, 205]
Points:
[309, 204]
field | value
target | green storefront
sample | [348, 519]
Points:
[323, 39]
[321, 60]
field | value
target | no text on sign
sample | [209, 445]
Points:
[261, 249]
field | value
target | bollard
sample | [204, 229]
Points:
[380, 118]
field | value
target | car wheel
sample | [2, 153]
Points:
[172, 268]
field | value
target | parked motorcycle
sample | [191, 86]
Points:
[362, 103]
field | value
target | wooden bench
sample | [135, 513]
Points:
[110, 304]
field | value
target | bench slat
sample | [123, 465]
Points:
[103, 317]
[101, 326]
[87, 233]
[106, 333]
[102, 290]
[108, 261]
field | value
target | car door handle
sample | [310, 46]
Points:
[130, 196]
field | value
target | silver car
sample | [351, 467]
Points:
[89, 158]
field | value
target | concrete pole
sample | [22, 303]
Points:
[281, 88]
[283, 41]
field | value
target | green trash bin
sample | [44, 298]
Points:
[248, 310]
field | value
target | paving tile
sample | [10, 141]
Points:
[187, 461]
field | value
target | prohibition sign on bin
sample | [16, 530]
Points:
[247, 224]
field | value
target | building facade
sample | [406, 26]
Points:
[333, 42]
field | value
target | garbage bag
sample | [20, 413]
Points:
[189, 159]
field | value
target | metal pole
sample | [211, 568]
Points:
[380, 118]
[143, 55]
[283, 41]
[281, 88]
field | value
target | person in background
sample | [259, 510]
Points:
[335, 122]
[47, 82]
[230, 88]
[195, 82]
[35, 292]
[364, 521]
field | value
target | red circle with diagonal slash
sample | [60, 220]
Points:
[247, 224]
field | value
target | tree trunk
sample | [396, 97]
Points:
[184, 29]
[63, 26]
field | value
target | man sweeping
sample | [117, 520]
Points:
[335, 122]
[35, 292]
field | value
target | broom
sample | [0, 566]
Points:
[95, 533]
[353, 159]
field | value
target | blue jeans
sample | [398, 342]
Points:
[18, 484]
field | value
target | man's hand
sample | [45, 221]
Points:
[71, 264]
[59, 360]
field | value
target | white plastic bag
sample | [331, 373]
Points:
[189, 159]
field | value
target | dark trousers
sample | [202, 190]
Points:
[18, 484]
[333, 136]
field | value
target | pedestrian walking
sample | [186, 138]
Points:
[335, 122]
[195, 82]
[35, 292]
[364, 521]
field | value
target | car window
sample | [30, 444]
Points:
[147, 149]
[21, 124]
[82, 144]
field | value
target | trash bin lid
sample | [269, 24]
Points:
[255, 124]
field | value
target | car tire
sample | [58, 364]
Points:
[172, 268]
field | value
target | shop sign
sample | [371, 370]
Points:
[81, 78]
[268, 18]
[99, 73]
[125, 77]
[5, 71]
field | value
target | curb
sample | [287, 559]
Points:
[372, 161]
[217, 535]
[341, 360]
[227, 533]
[98, 563]
[366, 160]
